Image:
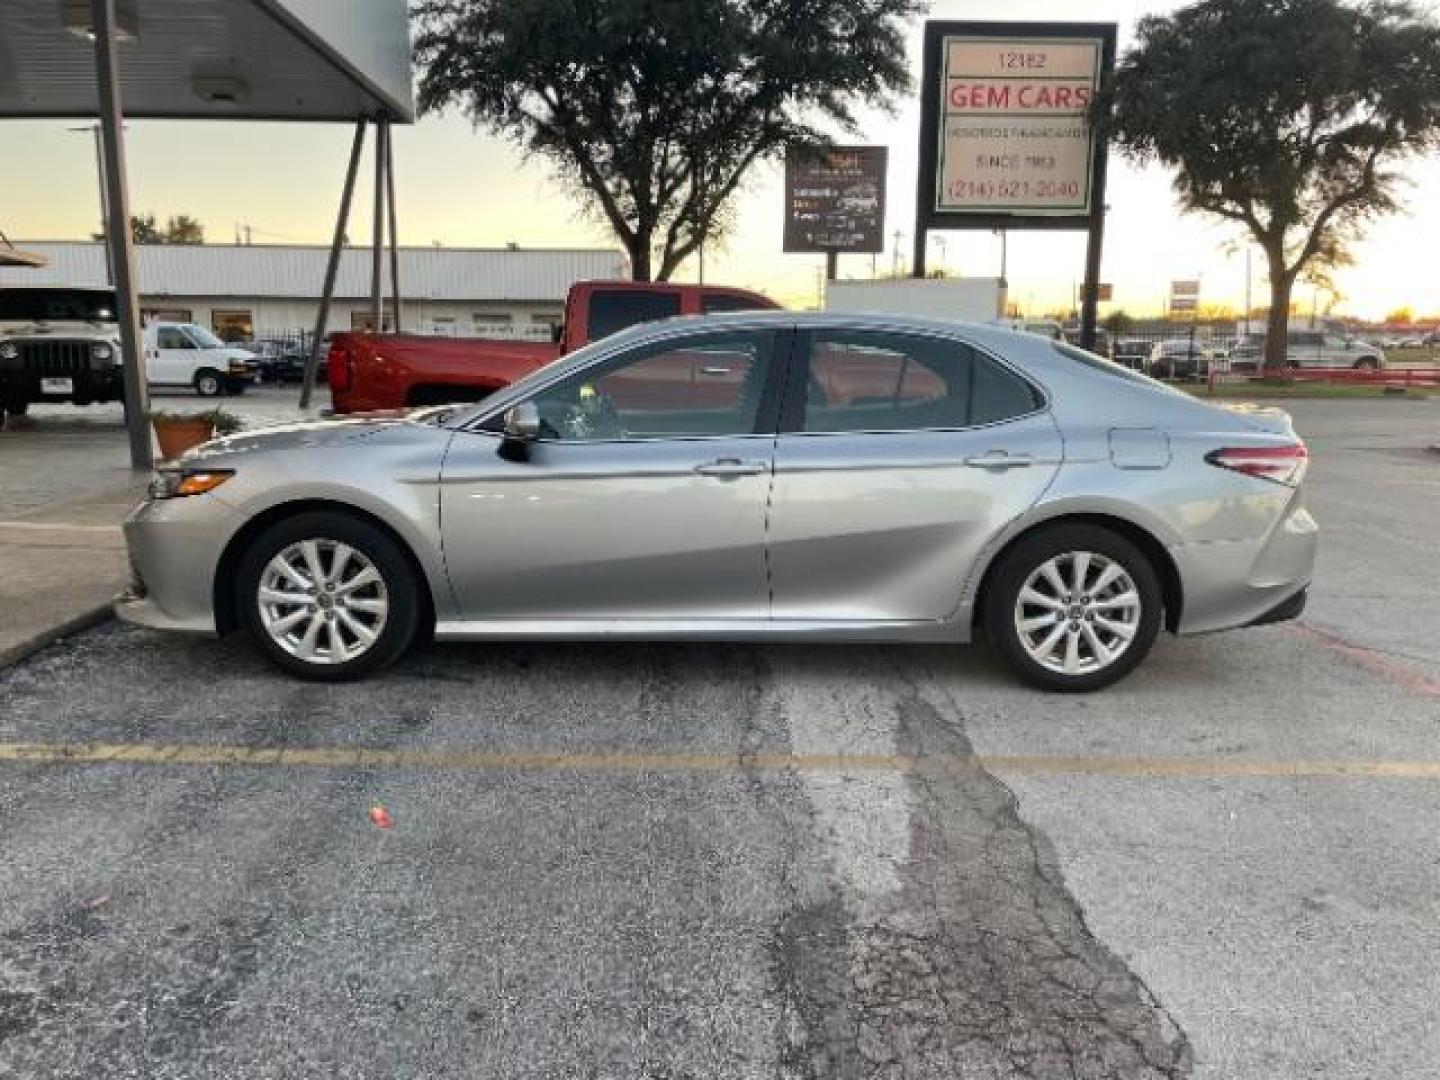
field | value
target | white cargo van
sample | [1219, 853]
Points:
[184, 354]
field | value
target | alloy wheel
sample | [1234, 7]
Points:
[1078, 613]
[323, 601]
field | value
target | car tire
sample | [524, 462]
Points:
[1367, 363]
[17, 407]
[209, 383]
[1097, 635]
[325, 629]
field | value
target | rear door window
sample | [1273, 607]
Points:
[860, 380]
[613, 310]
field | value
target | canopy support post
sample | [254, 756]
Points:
[333, 267]
[394, 235]
[377, 235]
[119, 240]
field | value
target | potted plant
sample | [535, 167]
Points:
[178, 432]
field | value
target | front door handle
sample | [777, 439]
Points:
[727, 468]
[999, 459]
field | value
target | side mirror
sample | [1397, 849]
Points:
[522, 422]
[522, 427]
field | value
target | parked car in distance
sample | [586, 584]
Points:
[58, 344]
[1132, 352]
[1310, 348]
[281, 361]
[186, 354]
[1178, 358]
[370, 372]
[1103, 345]
[1044, 327]
[763, 476]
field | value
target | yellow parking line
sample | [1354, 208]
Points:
[479, 760]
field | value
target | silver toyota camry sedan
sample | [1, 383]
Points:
[758, 476]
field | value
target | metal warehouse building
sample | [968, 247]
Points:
[245, 293]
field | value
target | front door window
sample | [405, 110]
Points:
[689, 388]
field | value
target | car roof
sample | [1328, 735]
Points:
[995, 334]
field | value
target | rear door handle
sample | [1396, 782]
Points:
[726, 468]
[999, 459]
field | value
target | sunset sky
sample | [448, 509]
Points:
[462, 188]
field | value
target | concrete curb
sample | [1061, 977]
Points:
[94, 616]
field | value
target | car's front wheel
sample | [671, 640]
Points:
[328, 596]
[1073, 607]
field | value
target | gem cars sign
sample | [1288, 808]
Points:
[1005, 136]
[835, 199]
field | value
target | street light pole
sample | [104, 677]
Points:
[1248, 307]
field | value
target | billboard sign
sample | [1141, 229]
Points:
[1185, 295]
[1005, 135]
[835, 199]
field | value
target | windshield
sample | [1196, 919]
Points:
[463, 414]
[57, 305]
[204, 338]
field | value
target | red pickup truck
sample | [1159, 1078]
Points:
[391, 371]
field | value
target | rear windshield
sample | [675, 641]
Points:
[1108, 367]
[614, 310]
[57, 305]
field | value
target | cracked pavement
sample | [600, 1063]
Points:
[665, 902]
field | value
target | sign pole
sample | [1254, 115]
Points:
[832, 265]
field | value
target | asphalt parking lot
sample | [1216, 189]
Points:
[674, 861]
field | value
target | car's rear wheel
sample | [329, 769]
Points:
[329, 597]
[1367, 363]
[1073, 607]
[209, 383]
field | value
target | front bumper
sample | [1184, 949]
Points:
[175, 547]
[92, 385]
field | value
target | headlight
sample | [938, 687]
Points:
[179, 483]
[9, 351]
[102, 352]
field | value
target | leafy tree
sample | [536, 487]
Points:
[1119, 322]
[180, 229]
[184, 229]
[1401, 316]
[657, 109]
[1284, 116]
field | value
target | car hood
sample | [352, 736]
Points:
[291, 437]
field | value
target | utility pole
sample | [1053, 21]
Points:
[94, 129]
[1004, 257]
[895, 262]
[819, 288]
[941, 244]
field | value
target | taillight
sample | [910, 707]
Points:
[339, 368]
[1282, 464]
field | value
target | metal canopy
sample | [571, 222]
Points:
[212, 59]
[208, 60]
